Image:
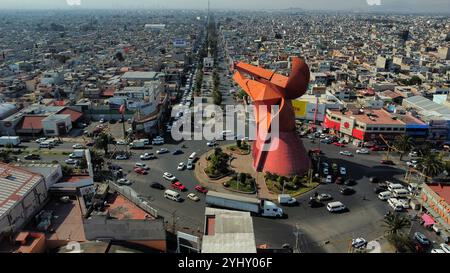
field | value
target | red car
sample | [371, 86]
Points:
[339, 180]
[201, 189]
[140, 171]
[178, 186]
[376, 148]
[339, 144]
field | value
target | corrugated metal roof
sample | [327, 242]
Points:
[14, 184]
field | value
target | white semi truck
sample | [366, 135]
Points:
[250, 204]
[137, 144]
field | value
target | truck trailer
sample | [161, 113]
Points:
[9, 140]
[243, 203]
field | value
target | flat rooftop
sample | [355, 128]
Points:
[378, 116]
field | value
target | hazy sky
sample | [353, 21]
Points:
[360, 5]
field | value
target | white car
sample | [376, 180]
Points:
[346, 153]
[193, 197]
[181, 166]
[437, 250]
[169, 176]
[445, 248]
[142, 166]
[147, 156]
[121, 142]
[162, 151]
[189, 165]
[359, 243]
[343, 170]
[211, 143]
[42, 139]
[363, 151]
[124, 181]
[412, 164]
[102, 120]
[325, 171]
[413, 154]
[71, 161]
[404, 203]
[324, 197]
[329, 179]
[121, 157]
[78, 146]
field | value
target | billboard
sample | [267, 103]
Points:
[347, 125]
[300, 108]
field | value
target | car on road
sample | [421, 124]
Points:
[121, 142]
[350, 182]
[201, 189]
[324, 197]
[140, 171]
[102, 120]
[347, 190]
[141, 165]
[359, 243]
[147, 156]
[346, 153]
[71, 161]
[339, 180]
[181, 166]
[211, 143]
[412, 164]
[124, 181]
[329, 179]
[338, 144]
[325, 171]
[176, 152]
[342, 170]
[314, 203]
[40, 140]
[422, 239]
[363, 151]
[336, 207]
[162, 151]
[190, 165]
[387, 162]
[121, 157]
[178, 186]
[158, 186]
[32, 157]
[169, 176]
[78, 146]
[193, 197]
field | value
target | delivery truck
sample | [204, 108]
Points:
[286, 199]
[77, 154]
[137, 144]
[243, 203]
[9, 141]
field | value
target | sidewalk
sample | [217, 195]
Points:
[240, 163]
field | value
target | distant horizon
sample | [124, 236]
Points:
[361, 6]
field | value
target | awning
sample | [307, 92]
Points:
[428, 220]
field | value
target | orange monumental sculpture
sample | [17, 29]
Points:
[283, 153]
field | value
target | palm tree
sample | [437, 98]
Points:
[102, 142]
[404, 144]
[395, 223]
[432, 164]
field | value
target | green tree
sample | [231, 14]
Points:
[395, 223]
[403, 143]
[432, 164]
[5, 156]
[66, 170]
[97, 161]
[102, 142]
[239, 143]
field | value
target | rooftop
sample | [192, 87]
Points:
[372, 116]
[15, 182]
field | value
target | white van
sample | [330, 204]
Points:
[145, 140]
[385, 195]
[193, 156]
[335, 206]
[400, 193]
[393, 186]
[395, 204]
[172, 195]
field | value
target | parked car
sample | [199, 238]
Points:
[211, 143]
[176, 152]
[71, 161]
[178, 186]
[329, 179]
[169, 176]
[325, 171]
[346, 153]
[445, 248]
[338, 144]
[339, 180]
[78, 146]
[121, 142]
[412, 164]
[189, 165]
[181, 166]
[124, 181]
[347, 191]
[343, 171]
[142, 165]
[374, 179]
[413, 154]
[158, 186]
[350, 182]
[421, 238]
[201, 189]
[162, 151]
[359, 243]
[193, 197]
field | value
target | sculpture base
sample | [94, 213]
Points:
[286, 155]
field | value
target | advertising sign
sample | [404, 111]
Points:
[347, 125]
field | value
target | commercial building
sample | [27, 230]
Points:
[359, 126]
[435, 199]
[228, 231]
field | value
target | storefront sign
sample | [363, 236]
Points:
[436, 203]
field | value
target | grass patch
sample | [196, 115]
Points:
[243, 182]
